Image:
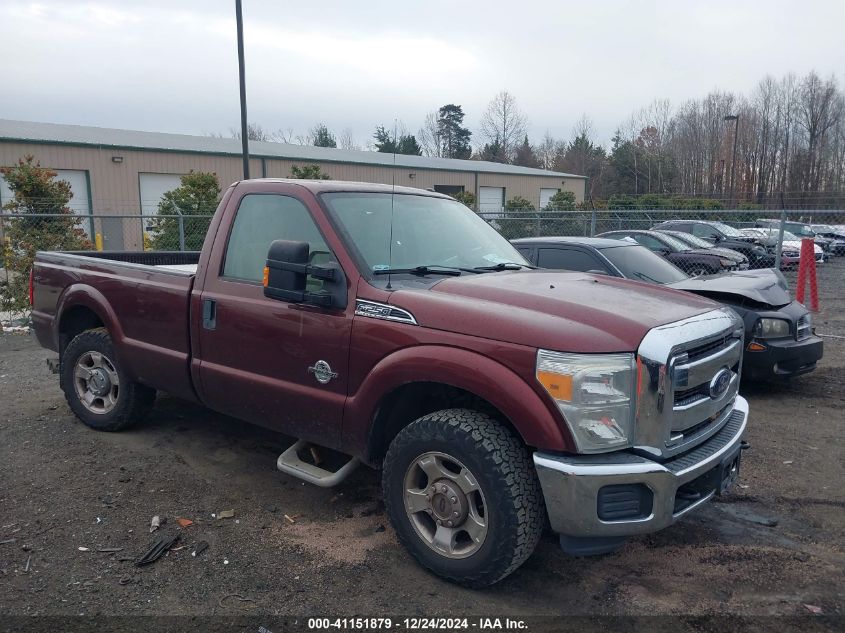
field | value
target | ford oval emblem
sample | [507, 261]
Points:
[720, 383]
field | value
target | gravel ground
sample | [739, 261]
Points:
[771, 547]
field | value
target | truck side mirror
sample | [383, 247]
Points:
[286, 273]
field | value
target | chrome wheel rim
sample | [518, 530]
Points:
[96, 382]
[445, 505]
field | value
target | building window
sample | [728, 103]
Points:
[449, 190]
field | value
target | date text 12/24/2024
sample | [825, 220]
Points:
[417, 624]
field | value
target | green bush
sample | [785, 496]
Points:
[36, 195]
[465, 197]
[561, 201]
[518, 203]
[197, 195]
[308, 172]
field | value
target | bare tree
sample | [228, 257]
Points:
[347, 141]
[503, 122]
[429, 136]
[254, 132]
[548, 151]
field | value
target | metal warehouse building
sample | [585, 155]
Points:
[125, 172]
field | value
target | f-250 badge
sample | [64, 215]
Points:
[322, 372]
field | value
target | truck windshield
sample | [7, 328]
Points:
[427, 233]
[637, 262]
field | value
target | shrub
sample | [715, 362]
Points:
[518, 203]
[308, 172]
[465, 197]
[197, 195]
[47, 224]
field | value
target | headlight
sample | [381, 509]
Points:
[771, 328]
[594, 392]
[727, 263]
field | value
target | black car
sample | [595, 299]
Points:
[699, 242]
[779, 337]
[693, 261]
[725, 236]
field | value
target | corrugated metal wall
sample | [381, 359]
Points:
[115, 188]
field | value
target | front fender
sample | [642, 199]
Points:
[464, 369]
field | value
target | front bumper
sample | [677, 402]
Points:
[577, 488]
[782, 358]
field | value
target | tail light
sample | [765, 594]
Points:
[31, 287]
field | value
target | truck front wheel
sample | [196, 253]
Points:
[97, 389]
[463, 496]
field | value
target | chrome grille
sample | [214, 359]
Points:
[679, 401]
[706, 349]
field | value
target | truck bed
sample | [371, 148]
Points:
[142, 297]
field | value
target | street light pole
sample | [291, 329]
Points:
[241, 72]
[735, 119]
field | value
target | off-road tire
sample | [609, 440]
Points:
[134, 400]
[503, 467]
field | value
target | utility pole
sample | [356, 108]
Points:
[244, 130]
[735, 119]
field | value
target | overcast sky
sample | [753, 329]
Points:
[172, 65]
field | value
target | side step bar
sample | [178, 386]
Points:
[290, 463]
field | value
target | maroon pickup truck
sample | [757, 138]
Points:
[395, 328]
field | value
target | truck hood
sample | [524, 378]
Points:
[575, 312]
[766, 286]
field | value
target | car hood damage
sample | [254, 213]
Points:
[766, 287]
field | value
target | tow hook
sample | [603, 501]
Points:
[744, 446]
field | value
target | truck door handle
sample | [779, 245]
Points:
[209, 314]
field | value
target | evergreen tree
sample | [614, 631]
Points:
[403, 144]
[454, 137]
[525, 156]
[322, 137]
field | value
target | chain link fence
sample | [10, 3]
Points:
[23, 234]
[696, 241]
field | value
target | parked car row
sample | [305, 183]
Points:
[790, 249]
[724, 236]
[779, 339]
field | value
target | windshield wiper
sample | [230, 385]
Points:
[505, 266]
[431, 269]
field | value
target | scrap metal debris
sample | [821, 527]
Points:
[157, 548]
[225, 514]
[199, 548]
[109, 550]
[155, 523]
[183, 523]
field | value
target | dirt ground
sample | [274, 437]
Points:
[771, 547]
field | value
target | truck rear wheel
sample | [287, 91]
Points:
[97, 389]
[463, 496]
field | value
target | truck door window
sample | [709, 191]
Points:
[568, 259]
[262, 218]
